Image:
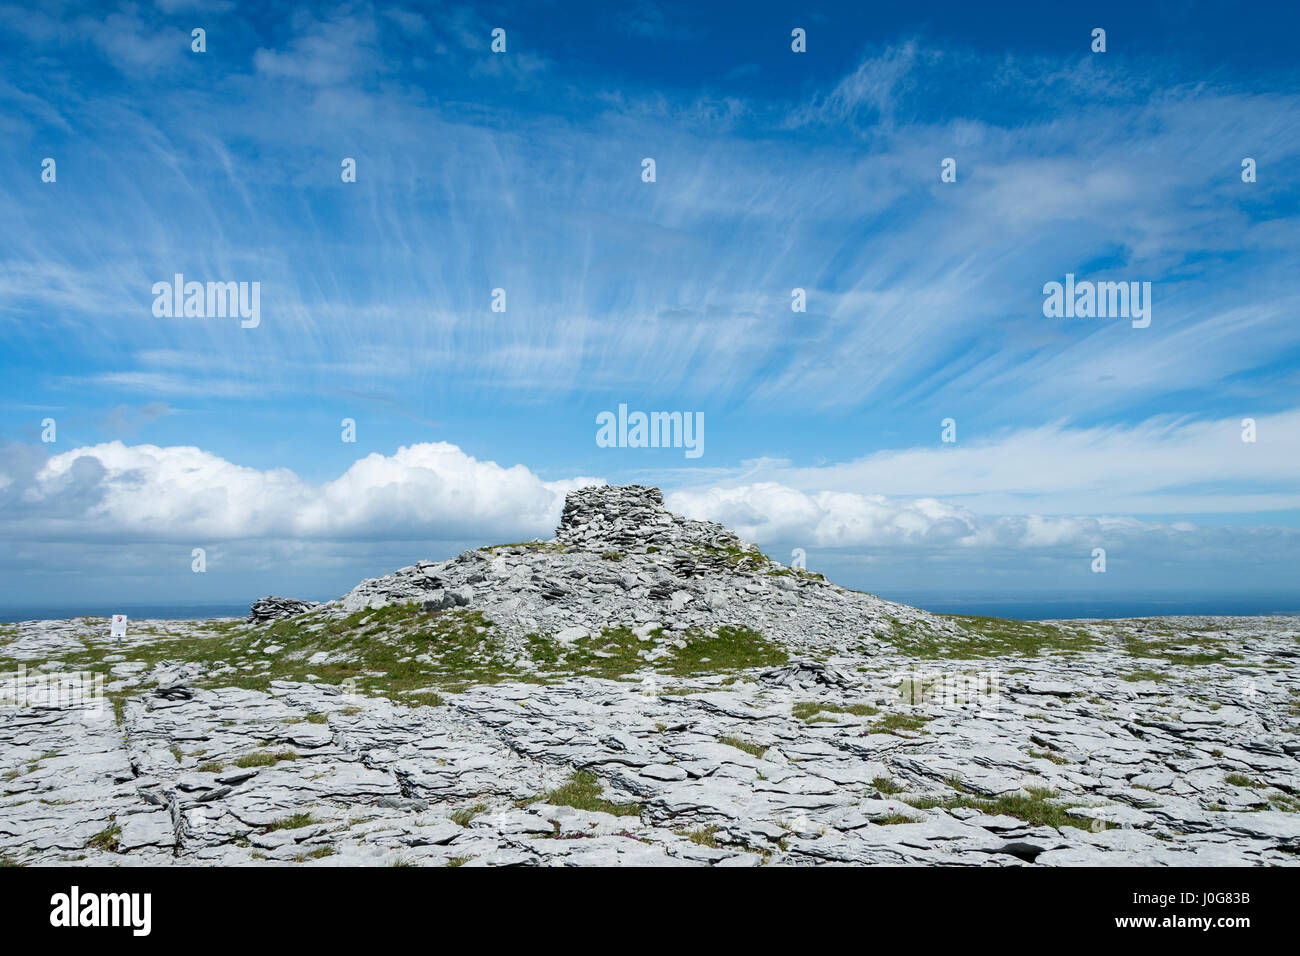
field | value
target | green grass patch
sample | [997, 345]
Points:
[733, 556]
[704, 836]
[402, 651]
[612, 654]
[808, 710]
[537, 547]
[583, 792]
[264, 758]
[731, 648]
[294, 822]
[798, 573]
[984, 637]
[424, 699]
[615, 653]
[745, 745]
[1048, 755]
[107, 839]
[893, 723]
[463, 816]
[379, 651]
[1241, 780]
[894, 819]
[1036, 807]
[1174, 647]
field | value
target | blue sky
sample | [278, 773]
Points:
[774, 170]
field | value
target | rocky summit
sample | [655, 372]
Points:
[619, 559]
[645, 689]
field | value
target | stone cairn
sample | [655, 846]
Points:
[272, 608]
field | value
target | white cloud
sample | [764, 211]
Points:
[910, 303]
[436, 491]
[131, 513]
[133, 43]
[773, 512]
[144, 492]
[874, 86]
[324, 52]
[1160, 466]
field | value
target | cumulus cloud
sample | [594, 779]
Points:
[131, 513]
[145, 492]
[435, 491]
[829, 519]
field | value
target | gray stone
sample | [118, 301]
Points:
[1148, 761]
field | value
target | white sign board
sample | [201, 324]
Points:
[119, 626]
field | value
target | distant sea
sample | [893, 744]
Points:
[134, 612]
[1035, 607]
[1046, 607]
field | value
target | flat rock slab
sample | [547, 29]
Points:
[714, 770]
